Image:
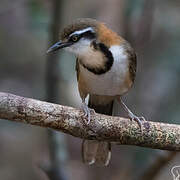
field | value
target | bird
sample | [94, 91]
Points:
[106, 70]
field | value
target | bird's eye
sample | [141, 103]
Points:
[74, 38]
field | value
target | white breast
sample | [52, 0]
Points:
[112, 82]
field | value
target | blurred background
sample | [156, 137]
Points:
[29, 27]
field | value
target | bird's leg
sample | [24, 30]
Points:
[131, 115]
[87, 111]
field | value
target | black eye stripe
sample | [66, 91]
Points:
[87, 34]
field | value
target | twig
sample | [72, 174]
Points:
[56, 170]
[52, 68]
[161, 161]
[106, 128]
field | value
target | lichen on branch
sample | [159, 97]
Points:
[103, 128]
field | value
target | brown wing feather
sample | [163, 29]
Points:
[77, 68]
[132, 65]
[132, 60]
[82, 86]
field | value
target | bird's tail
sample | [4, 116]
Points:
[98, 152]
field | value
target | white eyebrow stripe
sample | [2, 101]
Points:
[82, 31]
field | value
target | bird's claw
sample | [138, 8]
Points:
[131, 115]
[142, 118]
[137, 119]
[87, 112]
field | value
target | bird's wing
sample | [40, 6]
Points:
[132, 62]
[77, 68]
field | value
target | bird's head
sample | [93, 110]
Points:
[78, 36]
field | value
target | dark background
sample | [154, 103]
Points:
[29, 27]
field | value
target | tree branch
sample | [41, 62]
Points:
[106, 128]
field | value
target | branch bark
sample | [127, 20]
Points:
[106, 128]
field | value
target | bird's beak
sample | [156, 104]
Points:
[58, 45]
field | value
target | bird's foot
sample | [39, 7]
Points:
[139, 120]
[87, 112]
[132, 116]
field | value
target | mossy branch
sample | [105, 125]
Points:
[103, 128]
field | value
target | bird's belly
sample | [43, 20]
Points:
[111, 83]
